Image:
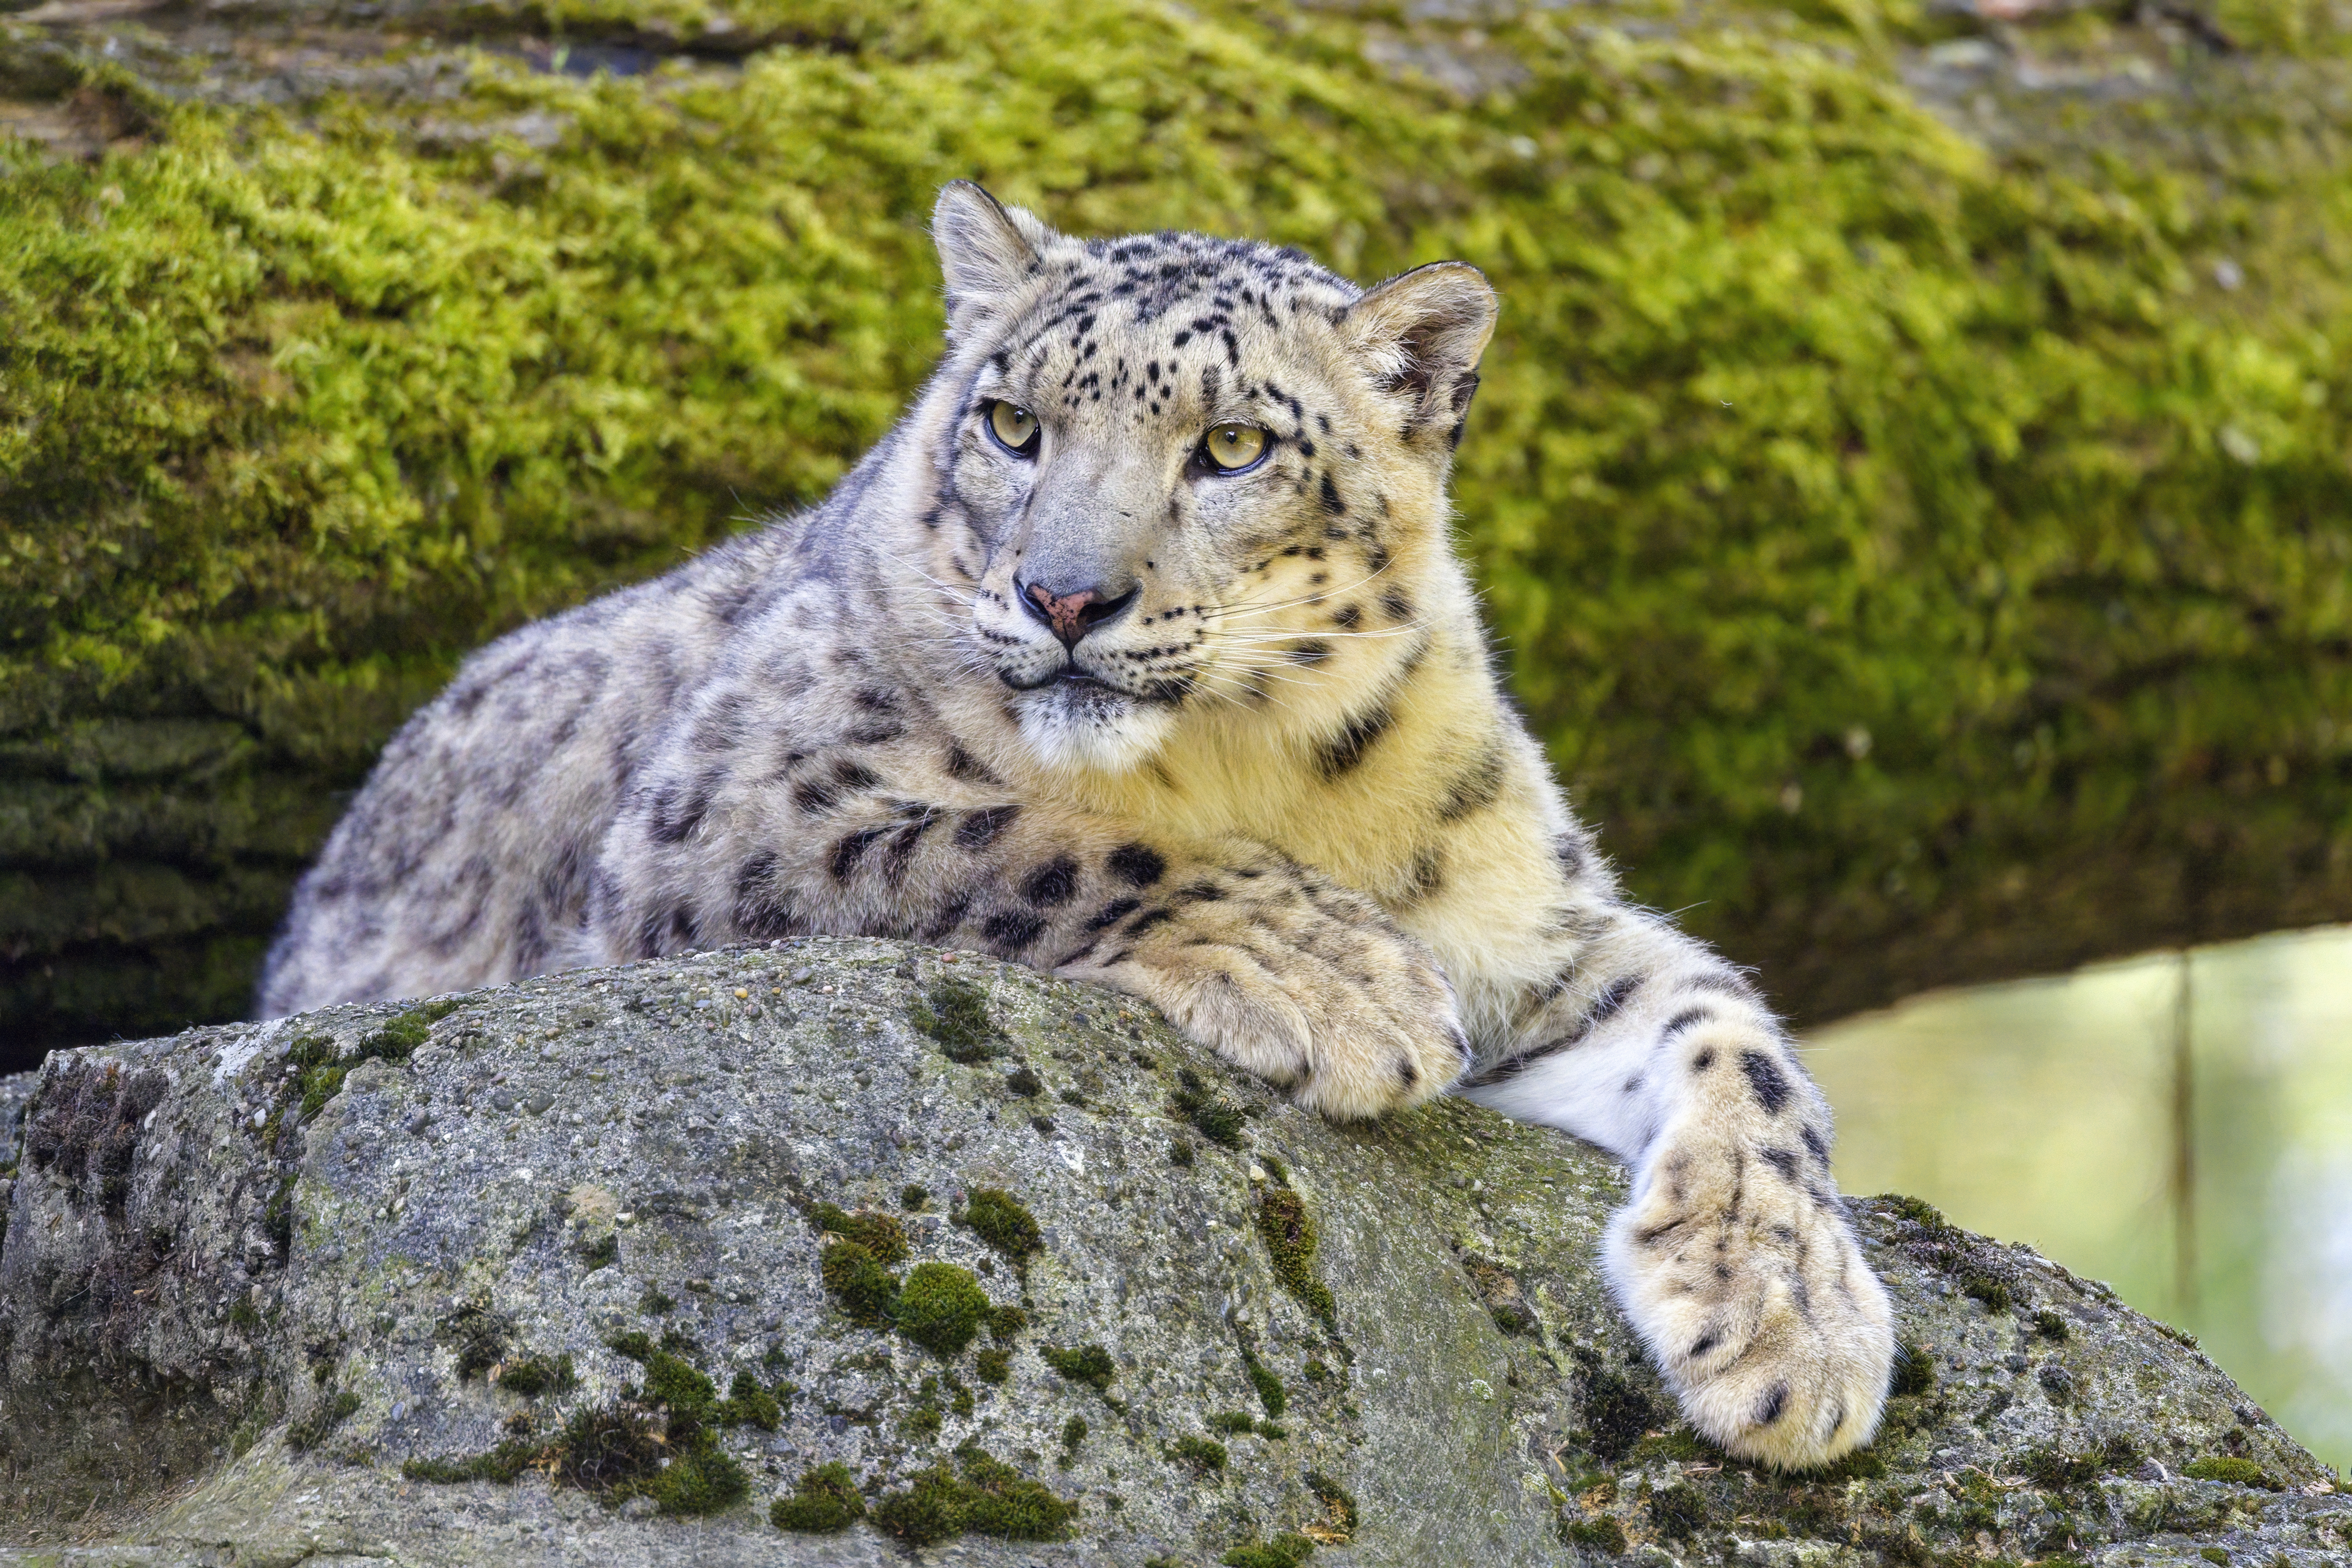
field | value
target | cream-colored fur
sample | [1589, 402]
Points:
[1226, 741]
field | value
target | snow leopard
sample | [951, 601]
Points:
[1138, 651]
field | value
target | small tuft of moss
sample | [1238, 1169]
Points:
[1005, 1321]
[477, 1335]
[913, 1196]
[1204, 1455]
[1022, 1083]
[1270, 1392]
[1290, 1238]
[748, 1404]
[1003, 1221]
[1284, 1550]
[1216, 1116]
[2054, 1470]
[601, 1253]
[1180, 1152]
[1088, 1365]
[656, 1301]
[941, 1308]
[1073, 1432]
[2220, 1554]
[537, 1374]
[991, 1498]
[879, 1233]
[1986, 1286]
[824, 1500]
[868, 1294]
[503, 1464]
[992, 1366]
[1915, 1370]
[1230, 1422]
[1679, 1512]
[957, 1018]
[2236, 1472]
[2050, 1325]
[1603, 1535]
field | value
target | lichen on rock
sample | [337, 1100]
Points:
[223, 1326]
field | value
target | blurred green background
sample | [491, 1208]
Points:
[1910, 483]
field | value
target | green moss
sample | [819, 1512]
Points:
[2054, 1470]
[1270, 1392]
[1679, 1512]
[1603, 1535]
[2050, 1325]
[2236, 1472]
[534, 1376]
[1204, 1455]
[994, 1366]
[913, 1196]
[1073, 1432]
[328, 1412]
[1215, 1115]
[930, 1509]
[601, 1253]
[1005, 1321]
[881, 1235]
[824, 1501]
[1180, 1152]
[656, 1301]
[1289, 1231]
[1022, 1083]
[868, 1292]
[1087, 1364]
[991, 1498]
[1232, 1421]
[1002, 1220]
[504, 1464]
[941, 1308]
[1915, 1370]
[1284, 1550]
[749, 1403]
[955, 1014]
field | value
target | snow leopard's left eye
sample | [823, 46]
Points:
[1233, 449]
[1014, 427]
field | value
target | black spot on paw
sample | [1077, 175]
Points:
[979, 829]
[851, 849]
[1014, 930]
[1053, 884]
[1137, 865]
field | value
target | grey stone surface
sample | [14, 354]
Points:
[225, 1330]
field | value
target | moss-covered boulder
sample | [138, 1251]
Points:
[545, 1277]
[1908, 477]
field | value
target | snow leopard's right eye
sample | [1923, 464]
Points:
[1014, 427]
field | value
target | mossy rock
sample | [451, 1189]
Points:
[421, 1360]
[1906, 491]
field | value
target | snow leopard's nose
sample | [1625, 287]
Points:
[1072, 616]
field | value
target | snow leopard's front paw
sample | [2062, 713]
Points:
[1740, 1272]
[1319, 995]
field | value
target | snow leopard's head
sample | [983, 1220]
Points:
[1191, 476]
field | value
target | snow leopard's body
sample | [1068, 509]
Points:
[1227, 741]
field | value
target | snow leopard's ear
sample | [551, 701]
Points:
[1422, 333]
[986, 250]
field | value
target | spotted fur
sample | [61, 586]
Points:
[1244, 758]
